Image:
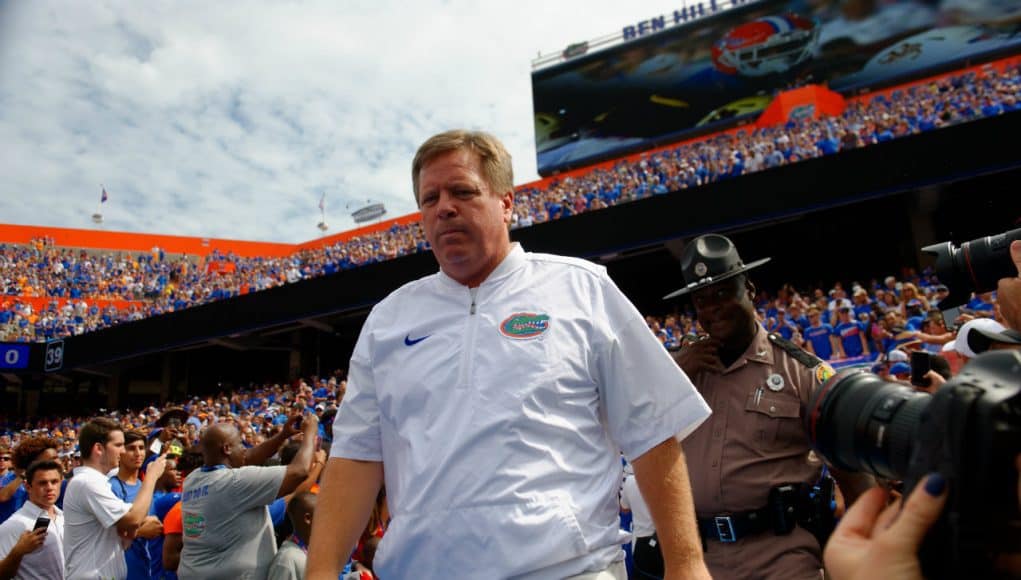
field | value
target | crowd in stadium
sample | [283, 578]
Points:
[156, 283]
[837, 325]
[891, 315]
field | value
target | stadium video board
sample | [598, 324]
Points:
[707, 73]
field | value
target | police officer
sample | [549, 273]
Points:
[759, 488]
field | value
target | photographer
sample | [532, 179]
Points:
[874, 542]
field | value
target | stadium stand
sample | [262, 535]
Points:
[49, 291]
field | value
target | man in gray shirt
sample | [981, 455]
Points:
[227, 529]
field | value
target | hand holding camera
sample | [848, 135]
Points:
[878, 539]
[968, 430]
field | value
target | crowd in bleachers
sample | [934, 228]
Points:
[157, 284]
[257, 410]
[908, 302]
[850, 327]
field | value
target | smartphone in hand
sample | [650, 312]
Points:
[42, 522]
[921, 364]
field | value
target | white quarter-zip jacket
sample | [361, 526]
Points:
[500, 413]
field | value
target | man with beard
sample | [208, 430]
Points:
[755, 452]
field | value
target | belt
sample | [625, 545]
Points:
[728, 528]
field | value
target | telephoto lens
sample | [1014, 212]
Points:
[969, 431]
[859, 422]
[974, 266]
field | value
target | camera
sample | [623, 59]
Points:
[969, 431]
[974, 266]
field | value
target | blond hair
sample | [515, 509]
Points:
[493, 156]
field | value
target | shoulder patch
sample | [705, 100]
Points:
[823, 372]
[797, 353]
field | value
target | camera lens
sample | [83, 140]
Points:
[975, 266]
[859, 422]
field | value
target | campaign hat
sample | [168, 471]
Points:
[709, 259]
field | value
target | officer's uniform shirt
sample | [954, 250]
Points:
[754, 441]
[498, 413]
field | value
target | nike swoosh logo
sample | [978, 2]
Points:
[413, 341]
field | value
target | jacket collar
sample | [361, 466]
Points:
[510, 263]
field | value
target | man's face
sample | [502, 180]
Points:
[890, 320]
[133, 455]
[465, 221]
[724, 309]
[113, 449]
[5, 461]
[171, 477]
[44, 488]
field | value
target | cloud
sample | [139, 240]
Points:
[231, 119]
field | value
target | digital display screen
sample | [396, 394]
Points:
[708, 72]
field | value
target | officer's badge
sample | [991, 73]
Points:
[823, 372]
[701, 269]
[775, 383]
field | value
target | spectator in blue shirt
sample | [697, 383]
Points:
[819, 337]
[852, 334]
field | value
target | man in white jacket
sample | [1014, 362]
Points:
[496, 396]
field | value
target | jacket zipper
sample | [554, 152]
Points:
[469, 345]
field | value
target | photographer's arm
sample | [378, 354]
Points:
[298, 468]
[259, 454]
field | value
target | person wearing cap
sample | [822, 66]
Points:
[980, 335]
[754, 444]
[495, 397]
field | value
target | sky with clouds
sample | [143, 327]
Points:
[230, 119]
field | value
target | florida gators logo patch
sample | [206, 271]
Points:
[522, 325]
[823, 372]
